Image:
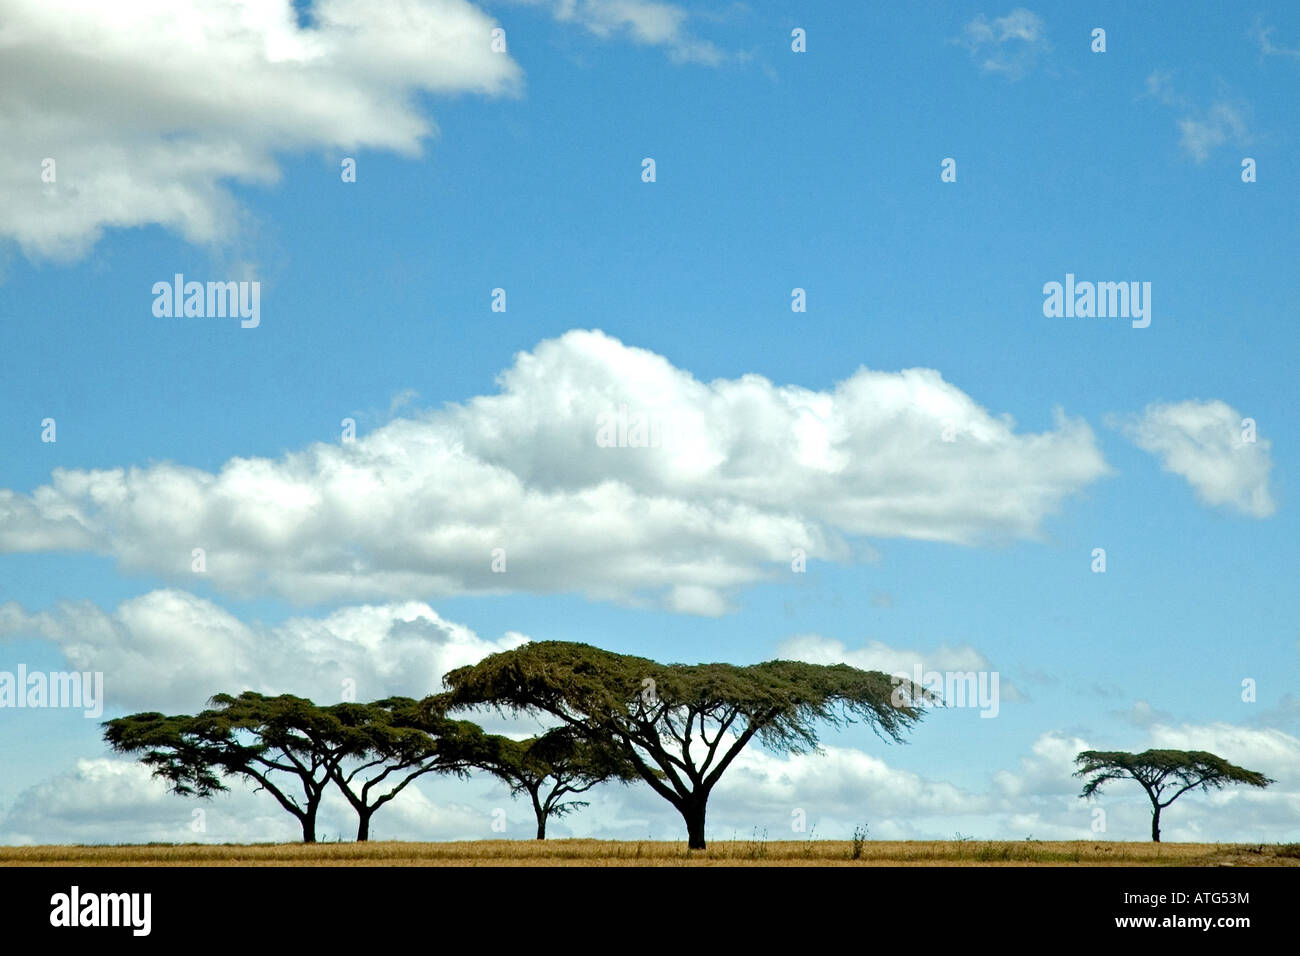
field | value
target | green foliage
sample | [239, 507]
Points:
[1159, 770]
[781, 700]
[370, 751]
[681, 725]
[189, 753]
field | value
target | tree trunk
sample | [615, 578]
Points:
[693, 813]
[541, 812]
[363, 824]
[308, 821]
[1155, 825]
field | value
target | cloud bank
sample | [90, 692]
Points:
[557, 483]
[150, 109]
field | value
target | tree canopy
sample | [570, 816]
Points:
[551, 767]
[680, 726]
[293, 749]
[274, 741]
[1161, 772]
[389, 743]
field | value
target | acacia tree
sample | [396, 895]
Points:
[265, 739]
[551, 767]
[680, 726]
[278, 742]
[392, 742]
[1161, 771]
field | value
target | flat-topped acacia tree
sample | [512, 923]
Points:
[681, 725]
[273, 741]
[552, 768]
[371, 752]
[389, 743]
[1161, 771]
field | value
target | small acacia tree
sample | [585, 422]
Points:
[293, 749]
[681, 725]
[276, 742]
[389, 743]
[1160, 772]
[558, 764]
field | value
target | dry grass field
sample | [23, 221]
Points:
[739, 852]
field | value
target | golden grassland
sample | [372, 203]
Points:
[739, 852]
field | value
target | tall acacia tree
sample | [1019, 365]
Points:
[553, 767]
[680, 726]
[1160, 772]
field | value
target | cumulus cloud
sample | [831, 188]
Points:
[109, 800]
[843, 782]
[170, 650]
[151, 109]
[597, 467]
[1045, 771]
[1009, 45]
[1205, 443]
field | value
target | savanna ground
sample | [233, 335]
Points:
[738, 852]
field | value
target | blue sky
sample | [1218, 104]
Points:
[775, 170]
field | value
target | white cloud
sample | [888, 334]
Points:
[1009, 45]
[170, 650]
[151, 108]
[841, 782]
[1045, 771]
[109, 800]
[1202, 441]
[745, 472]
